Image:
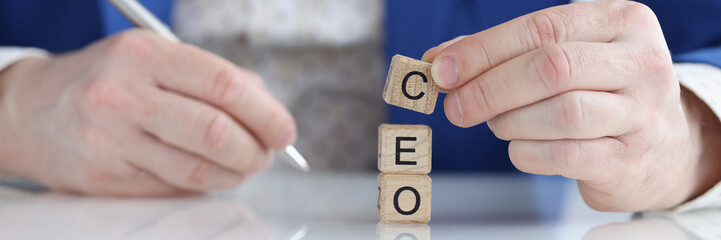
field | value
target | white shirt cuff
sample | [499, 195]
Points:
[705, 81]
[10, 55]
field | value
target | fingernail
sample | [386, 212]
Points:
[445, 71]
[453, 108]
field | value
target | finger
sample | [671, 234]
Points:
[205, 131]
[201, 75]
[590, 160]
[126, 180]
[538, 75]
[429, 55]
[462, 61]
[181, 169]
[572, 115]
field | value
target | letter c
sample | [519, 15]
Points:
[405, 84]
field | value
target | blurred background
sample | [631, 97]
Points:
[322, 59]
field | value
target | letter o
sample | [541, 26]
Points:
[398, 194]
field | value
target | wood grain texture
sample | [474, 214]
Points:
[419, 95]
[386, 231]
[404, 149]
[404, 198]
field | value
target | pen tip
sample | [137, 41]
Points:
[297, 159]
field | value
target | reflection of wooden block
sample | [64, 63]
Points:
[404, 149]
[402, 231]
[404, 198]
[409, 85]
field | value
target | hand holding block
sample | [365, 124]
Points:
[404, 198]
[404, 149]
[409, 85]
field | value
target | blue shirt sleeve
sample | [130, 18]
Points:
[61, 26]
[57, 26]
[711, 55]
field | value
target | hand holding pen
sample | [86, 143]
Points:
[137, 115]
[141, 17]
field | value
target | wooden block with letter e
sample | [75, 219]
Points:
[404, 198]
[409, 85]
[404, 149]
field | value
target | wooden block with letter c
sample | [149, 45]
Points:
[409, 85]
[404, 198]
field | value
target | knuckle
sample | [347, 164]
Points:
[104, 92]
[638, 13]
[658, 63]
[97, 87]
[569, 112]
[482, 96]
[135, 44]
[260, 162]
[498, 127]
[553, 68]
[615, 21]
[546, 27]
[565, 154]
[227, 87]
[216, 131]
[100, 91]
[198, 177]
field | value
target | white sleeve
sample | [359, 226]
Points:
[10, 55]
[705, 81]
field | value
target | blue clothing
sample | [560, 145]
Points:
[61, 26]
[692, 29]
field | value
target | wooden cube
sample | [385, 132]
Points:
[404, 149]
[386, 231]
[409, 85]
[404, 198]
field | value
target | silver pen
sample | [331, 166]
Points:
[141, 17]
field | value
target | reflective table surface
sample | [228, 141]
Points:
[286, 205]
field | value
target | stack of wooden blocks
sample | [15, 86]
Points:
[404, 151]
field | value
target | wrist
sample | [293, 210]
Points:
[705, 133]
[11, 158]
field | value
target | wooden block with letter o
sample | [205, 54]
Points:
[404, 149]
[409, 85]
[404, 198]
